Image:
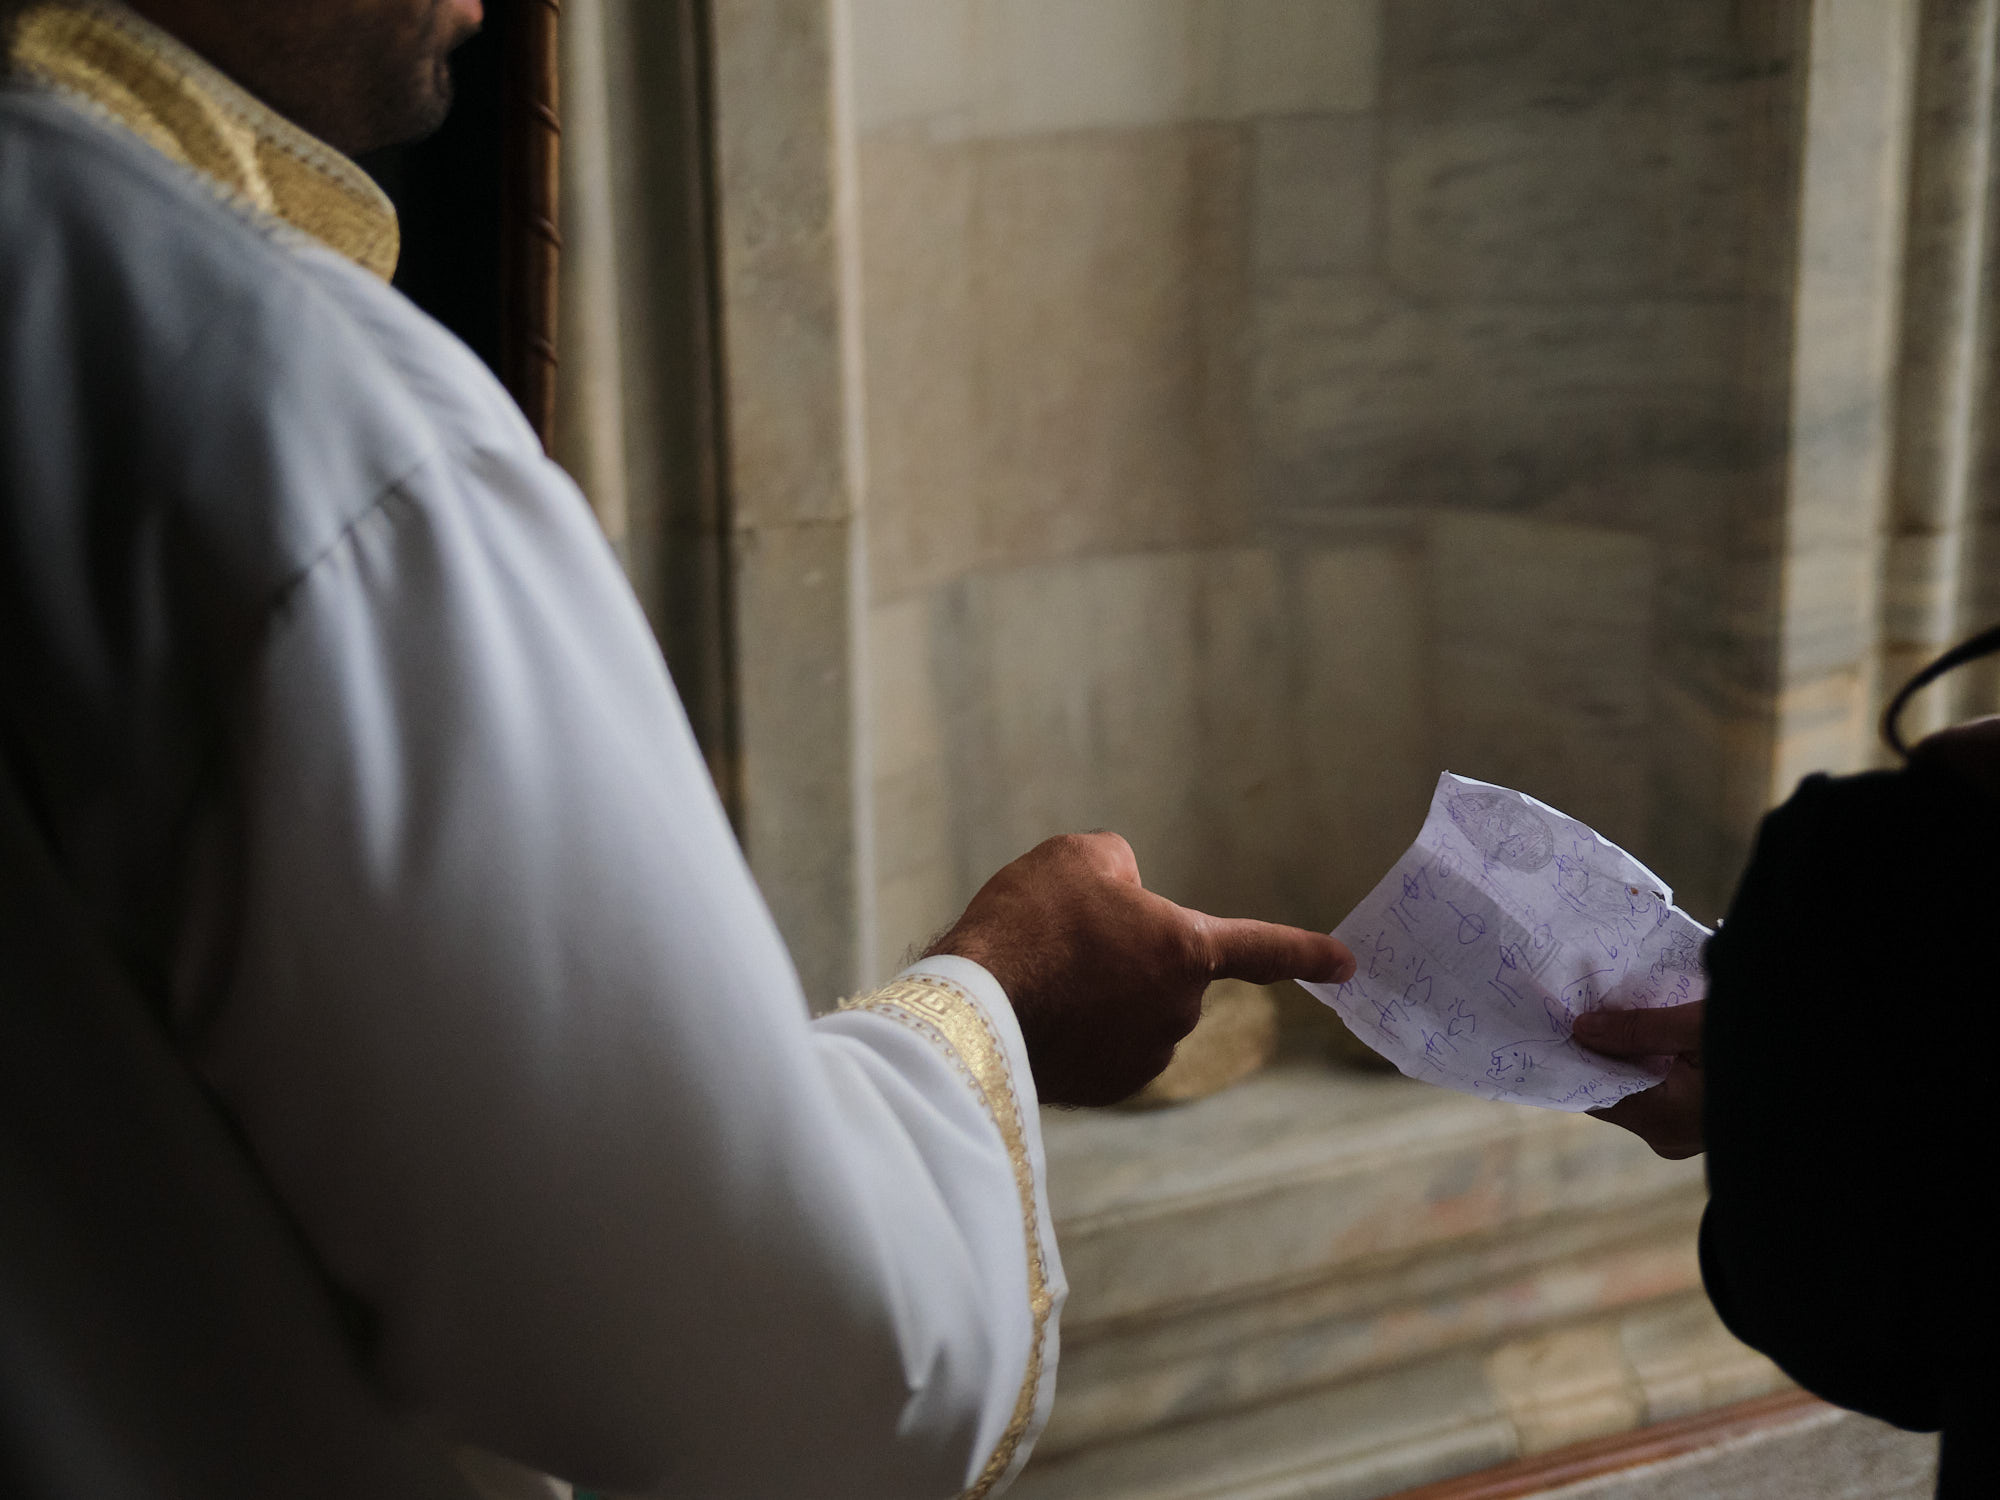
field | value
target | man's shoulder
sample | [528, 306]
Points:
[136, 299]
[89, 205]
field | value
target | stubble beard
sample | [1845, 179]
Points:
[358, 76]
[395, 111]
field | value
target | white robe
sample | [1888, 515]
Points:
[341, 720]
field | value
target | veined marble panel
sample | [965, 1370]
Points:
[1344, 391]
[1544, 664]
[1366, 1318]
[1052, 347]
[1315, 194]
[1578, 150]
[1599, 205]
[801, 829]
[1364, 396]
[1073, 696]
[1255, 722]
[1478, 59]
[918, 891]
[1368, 756]
[782, 159]
[1107, 360]
[923, 355]
[1307, 1171]
[1708, 794]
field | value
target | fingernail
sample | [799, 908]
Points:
[1589, 1024]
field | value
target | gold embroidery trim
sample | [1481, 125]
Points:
[137, 76]
[942, 1011]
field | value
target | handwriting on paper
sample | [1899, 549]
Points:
[1503, 923]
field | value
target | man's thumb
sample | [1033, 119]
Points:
[1667, 1031]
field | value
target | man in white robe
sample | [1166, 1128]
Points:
[342, 732]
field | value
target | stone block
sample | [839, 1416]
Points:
[1684, 1361]
[905, 732]
[1826, 723]
[989, 69]
[913, 62]
[1241, 768]
[1709, 790]
[1544, 643]
[1070, 695]
[1286, 57]
[1261, 1278]
[1368, 754]
[922, 360]
[1465, 59]
[1361, 1319]
[1578, 150]
[800, 822]
[1566, 1386]
[1255, 723]
[1594, 207]
[1830, 605]
[1108, 274]
[781, 276]
[1052, 348]
[1341, 1443]
[917, 887]
[1344, 386]
[1315, 194]
[1849, 297]
[1285, 1179]
[1052, 65]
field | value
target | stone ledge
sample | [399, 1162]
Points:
[1432, 1419]
[1336, 1285]
[1304, 1172]
[1141, 1372]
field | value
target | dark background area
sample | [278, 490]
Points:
[447, 192]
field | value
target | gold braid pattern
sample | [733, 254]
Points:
[131, 73]
[952, 1019]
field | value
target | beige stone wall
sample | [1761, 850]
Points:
[1269, 404]
[1211, 418]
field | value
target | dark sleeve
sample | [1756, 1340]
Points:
[1837, 984]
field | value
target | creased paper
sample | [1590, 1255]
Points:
[1504, 922]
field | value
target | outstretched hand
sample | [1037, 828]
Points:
[1667, 1116]
[1105, 976]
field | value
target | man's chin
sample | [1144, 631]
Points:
[427, 121]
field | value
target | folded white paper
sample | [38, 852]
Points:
[1504, 922]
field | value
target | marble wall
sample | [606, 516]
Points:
[1213, 417]
[1270, 404]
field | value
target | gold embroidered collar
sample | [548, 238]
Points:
[143, 79]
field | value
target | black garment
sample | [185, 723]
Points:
[1854, 994]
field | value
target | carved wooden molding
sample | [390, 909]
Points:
[529, 212]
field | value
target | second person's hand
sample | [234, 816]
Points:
[1667, 1116]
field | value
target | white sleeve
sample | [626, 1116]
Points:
[511, 1032]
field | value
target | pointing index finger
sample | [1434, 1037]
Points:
[1265, 952]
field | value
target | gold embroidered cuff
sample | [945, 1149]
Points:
[952, 1020]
